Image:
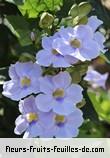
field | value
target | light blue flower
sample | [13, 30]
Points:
[77, 42]
[67, 126]
[96, 79]
[50, 56]
[24, 80]
[64, 126]
[32, 122]
[58, 94]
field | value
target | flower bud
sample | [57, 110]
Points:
[32, 35]
[83, 20]
[46, 20]
[74, 11]
[76, 20]
[84, 8]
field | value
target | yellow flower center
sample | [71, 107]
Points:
[25, 81]
[60, 119]
[75, 43]
[55, 52]
[31, 117]
[59, 93]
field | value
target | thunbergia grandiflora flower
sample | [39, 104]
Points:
[58, 94]
[32, 122]
[77, 42]
[50, 56]
[67, 126]
[96, 79]
[24, 80]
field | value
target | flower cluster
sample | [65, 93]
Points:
[53, 111]
[54, 106]
[46, 124]
[69, 45]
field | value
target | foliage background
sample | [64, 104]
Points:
[15, 44]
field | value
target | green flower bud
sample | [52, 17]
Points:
[32, 36]
[46, 20]
[83, 20]
[76, 76]
[76, 20]
[80, 20]
[77, 72]
[84, 9]
[74, 11]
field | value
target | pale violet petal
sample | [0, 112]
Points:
[12, 72]
[21, 125]
[63, 46]
[28, 105]
[64, 107]
[33, 131]
[74, 93]
[47, 42]
[62, 80]
[71, 60]
[91, 50]
[46, 85]
[44, 102]
[44, 58]
[81, 31]
[94, 23]
[60, 61]
[100, 39]
[22, 69]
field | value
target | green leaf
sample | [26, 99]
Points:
[106, 56]
[90, 129]
[19, 26]
[33, 8]
[93, 99]
[89, 109]
[53, 4]
[101, 104]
